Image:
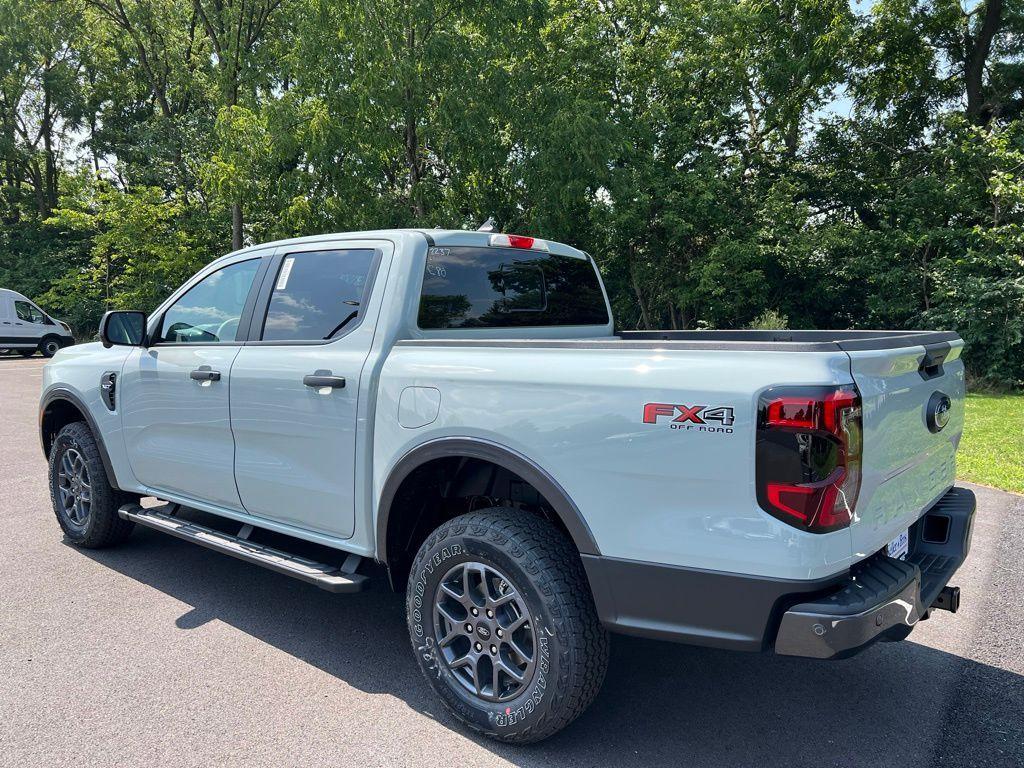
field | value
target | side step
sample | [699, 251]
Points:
[329, 577]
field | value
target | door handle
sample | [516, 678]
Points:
[317, 381]
[204, 374]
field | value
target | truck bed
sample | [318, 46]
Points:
[687, 498]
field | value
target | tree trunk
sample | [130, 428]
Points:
[236, 225]
[645, 317]
[12, 210]
[412, 142]
[924, 277]
[38, 185]
[231, 100]
[49, 191]
[977, 49]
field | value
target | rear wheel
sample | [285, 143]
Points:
[50, 346]
[503, 624]
[83, 500]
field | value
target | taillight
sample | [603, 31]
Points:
[517, 241]
[809, 455]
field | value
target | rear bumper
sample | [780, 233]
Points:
[826, 618]
[884, 598]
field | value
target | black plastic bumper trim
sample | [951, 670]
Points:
[879, 597]
[883, 596]
[690, 605]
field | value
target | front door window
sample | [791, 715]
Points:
[29, 313]
[210, 311]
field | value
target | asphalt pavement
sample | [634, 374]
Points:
[161, 653]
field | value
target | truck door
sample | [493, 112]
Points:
[174, 393]
[295, 385]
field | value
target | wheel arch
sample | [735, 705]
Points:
[60, 407]
[563, 507]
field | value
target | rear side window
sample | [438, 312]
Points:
[467, 287]
[317, 294]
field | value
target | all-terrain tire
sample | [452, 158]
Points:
[101, 527]
[541, 565]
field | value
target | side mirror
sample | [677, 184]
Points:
[123, 328]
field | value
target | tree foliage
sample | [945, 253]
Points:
[730, 163]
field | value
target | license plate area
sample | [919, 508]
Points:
[899, 546]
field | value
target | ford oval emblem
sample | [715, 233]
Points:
[938, 411]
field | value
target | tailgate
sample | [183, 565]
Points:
[908, 461]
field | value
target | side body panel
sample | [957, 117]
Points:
[78, 370]
[670, 492]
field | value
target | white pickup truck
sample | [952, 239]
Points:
[459, 407]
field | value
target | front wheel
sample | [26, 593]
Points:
[83, 500]
[50, 346]
[504, 626]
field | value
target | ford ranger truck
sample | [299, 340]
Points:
[459, 408]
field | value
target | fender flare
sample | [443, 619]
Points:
[59, 393]
[507, 458]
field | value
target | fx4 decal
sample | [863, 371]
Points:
[691, 417]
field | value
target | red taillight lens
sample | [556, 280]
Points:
[797, 412]
[809, 456]
[519, 241]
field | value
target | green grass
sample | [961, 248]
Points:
[992, 450]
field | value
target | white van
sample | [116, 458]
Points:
[24, 327]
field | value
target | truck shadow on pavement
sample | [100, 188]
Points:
[662, 704]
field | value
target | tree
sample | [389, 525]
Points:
[839, 166]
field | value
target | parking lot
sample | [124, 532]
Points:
[164, 653]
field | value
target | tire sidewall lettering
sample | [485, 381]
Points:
[420, 586]
[420, 608]
[533, 697]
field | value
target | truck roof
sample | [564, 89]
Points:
[443, 237]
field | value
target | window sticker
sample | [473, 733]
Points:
[435, 269]
[286, 270]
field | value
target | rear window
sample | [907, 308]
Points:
[508, 287]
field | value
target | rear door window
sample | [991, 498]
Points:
[466, 287]
[318, 295]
